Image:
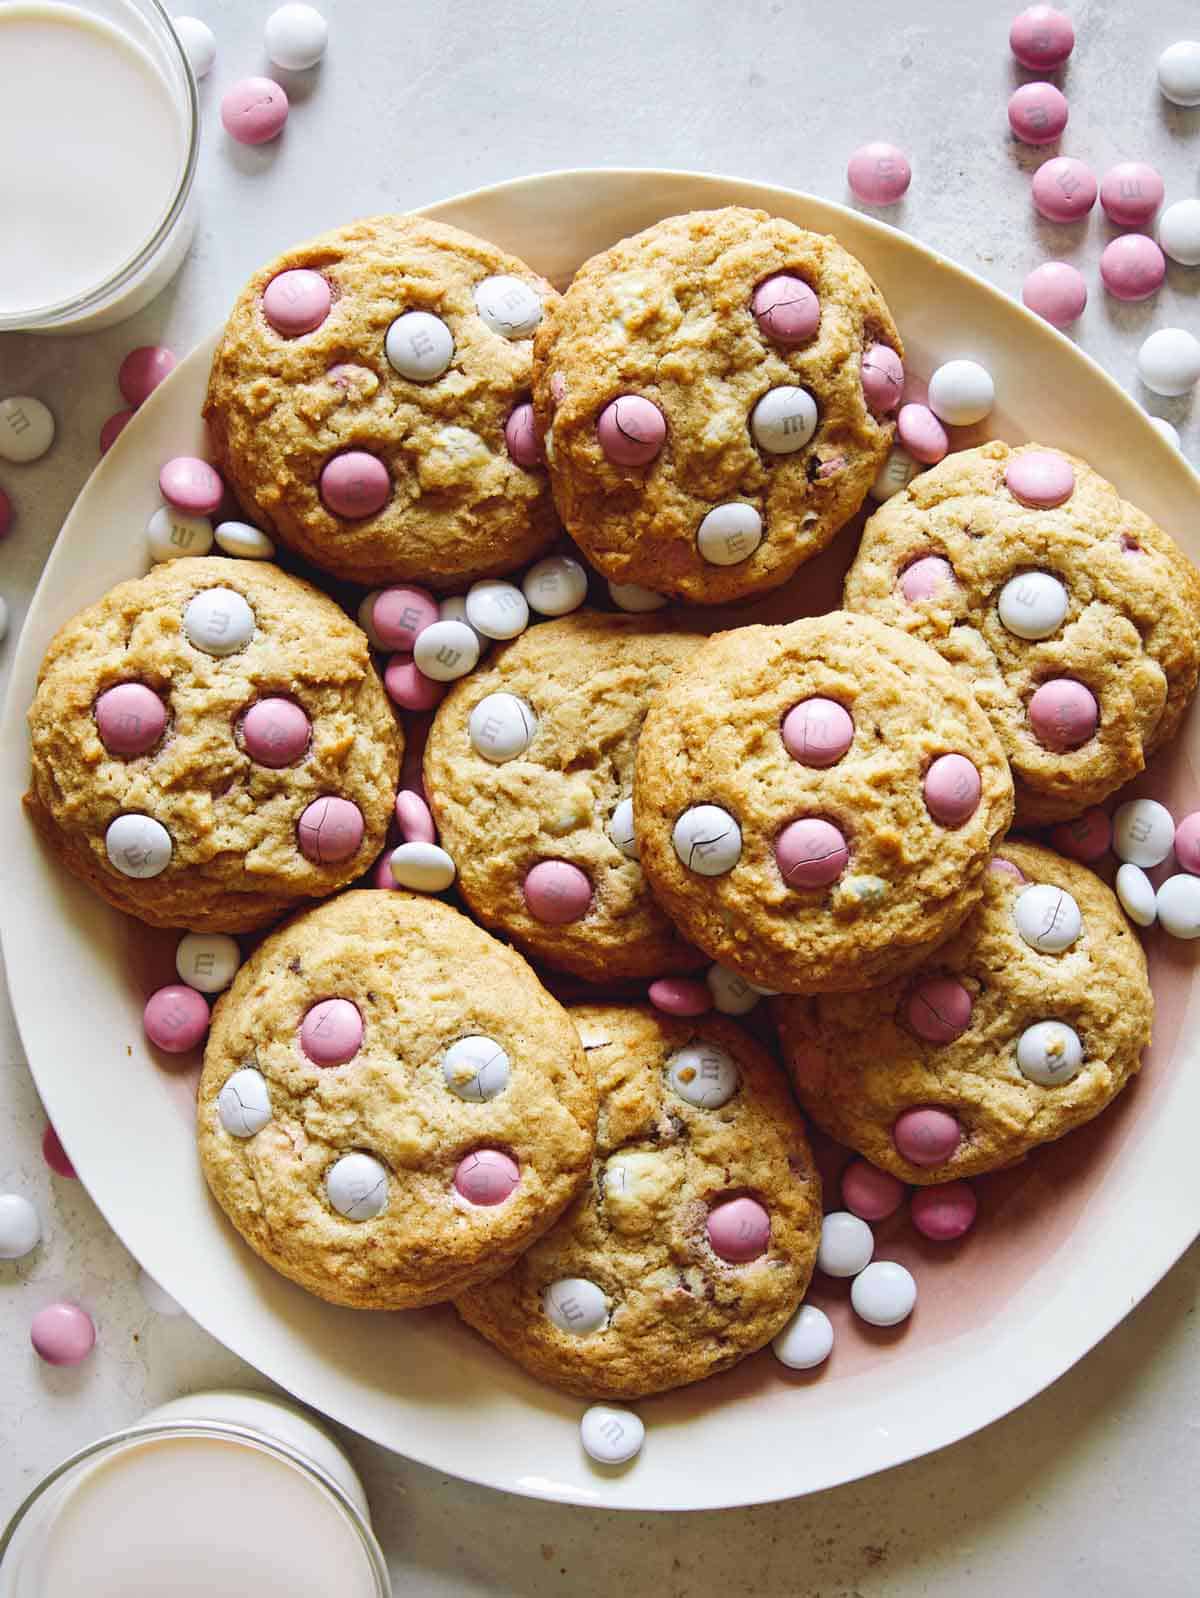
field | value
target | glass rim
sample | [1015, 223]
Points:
[226, 1431]
[35, 318]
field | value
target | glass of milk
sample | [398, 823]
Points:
[99, 131]
[211, 1496]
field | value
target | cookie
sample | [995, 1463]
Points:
[700, 390]
[1075, 619]
[392, 1107]
[816, 803]
[1024, 1026]
[529, 769]
[369, 402]
[695, 1239]
[212, 747]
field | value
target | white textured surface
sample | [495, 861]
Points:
[1088, 1483]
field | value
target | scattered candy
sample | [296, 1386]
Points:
[62, 1334]
[884, 1294]
[1033, 605]
[455, 609]
[254, 111]
[555, 586]
[811, 853]
[355, 484]
[476, 1068]
[176, 1018]
[879, 173]
[1049, 1053]
[1178, 905]
[926, 1136]
[138, 846]
[1179, 232]
[1143, 832]
[846, 1245]
[557, 892]
[113, 428]
[296, 36]
[501, 727]
[1167, 429]
[191, 486]
[276, 733]
[786, 309]
[806, 1341]
[419, 346]
[1088, 838]
[296, 302]
[198, 43]
[922, 435]
[729, 534]
[731, 994]
[26, 429]
[1056, 291]
[1037, 113]
[244, 540]
[1169, 362]
[508, 306]
[703, 1074]
[20, 1227]
[882, 379]
[817, 732]
[620, 829]
[1040, 479]
[56, 1156]
[707, 840]
[496, 609]
[575, 1305]
[1048, 918]
[409, 687]
[738, 1230]
[157, 1298]
[130, 719]
[633, 597]
[680, 996]
[207, 961]
[144, 368]
[218, 621]
[170, 535]
[896, 473]
[1136, 893]
[611, 1436]
[423, 867]
[952, 790]
[1064, 189]
[244, 1103]
[946, 1212]
[939, 1009]
[961, 393]
[357, 1187]
[1187, 842]
[330, 830]
[784, 420]
[446, 650]
[1132, 267]
[414, 818]
[1063, 714]
[1179, 72]
[926, 577]
[1041, 38]
[870, 1193]
[1130, 193]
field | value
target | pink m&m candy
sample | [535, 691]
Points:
[817, 732]
[811, 853]
[409, 687]
[1037, 113]
[738, 1230]
[945, 1212]
[143, 370]
[1056, 291]
[1187, 843]
[1130, 193]
[520, 438]
[130, 718]
[1064, 189]
[1005, 868]
[254, 110]
[56, 1156]
[487, 1177]
[276, 732]
[1132, 267]
[1063, 714]
[952, 790]
[1040, 478]
[922, 435]
[62, 1334]
[113, 428]
[925, 577]
[355, 484]
[680, 996]
[926, 1136]
[330, 830]
[939, 1009]
[191, 485]
[381, 871]
[414, 818]
[557, 892]
[882, 379]
[786, 309]
[297, 301]
[6, 514]
[879, 173]
[331, 1032]
[1041, 38]
[1088, 838]
[399, 614]
[870, 1193]
[631, 430]
[175, 1018]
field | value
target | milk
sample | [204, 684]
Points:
[94, 144]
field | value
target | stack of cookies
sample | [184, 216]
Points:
[395, 1110]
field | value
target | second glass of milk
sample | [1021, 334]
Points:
[98, 141]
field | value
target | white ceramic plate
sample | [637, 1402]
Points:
[1067, 1244]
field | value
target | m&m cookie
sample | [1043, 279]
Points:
[392, 1107]
[694, 1241]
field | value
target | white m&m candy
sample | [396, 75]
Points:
[20, 1227]
[244, 1103]
[207, 961]
[508, 306]
[1136, 893]
[575, 1305]
[1048, 918]
[138, 846]
[555, 586]
[1179, 232]
[1033, 605]
[1178, 905]
[884, 1294]
[423, 867]
[1143, 832]
[633, 597]
[446, 650]
[476, 1069]
[357, 1187]
[244, 540]
[620, 829]
[783, 421]
[707, 840]
[846, 1245]
[961, 393]
[1049, 1053]
[703, 1075]
[894, 476]
[501, 727]
[219, 622]
[611, 1436]
[1179, 72]
[26, 429]
[1169, 362]
[198, 43]
[731, 994]
[296, 37]
[419, 346]
[497, 609]
[729, 534]
[170, 534]
[806, 1341]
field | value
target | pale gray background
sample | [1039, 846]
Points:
[1090, 1486]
